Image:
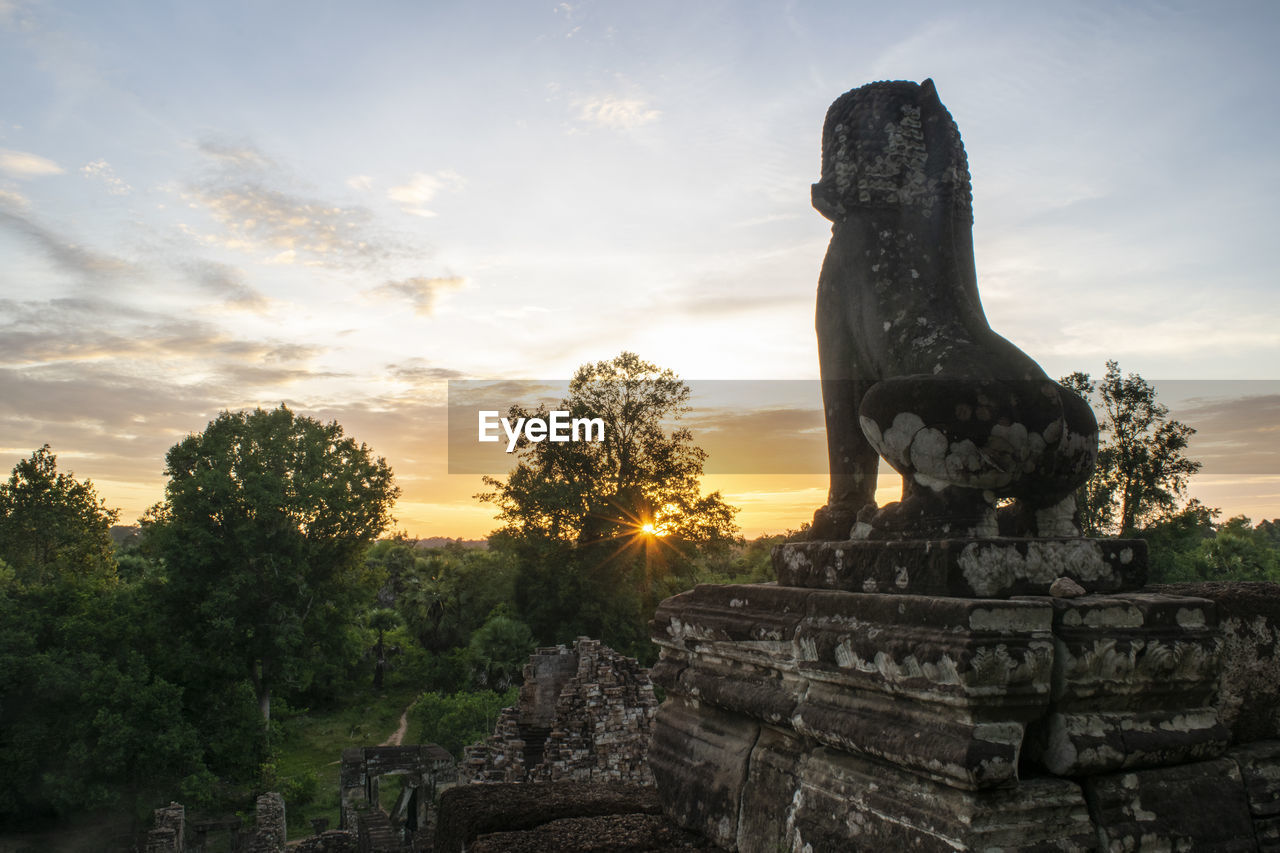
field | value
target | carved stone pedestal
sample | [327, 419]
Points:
[820, 719]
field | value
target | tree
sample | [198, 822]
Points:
[1239, 552]
[595, 524]
[263, 530]
[381, 619]
[1143, 469]
[51, 524]
[500, 649]
[457, 721]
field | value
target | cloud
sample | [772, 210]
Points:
[616, 113]
[417, 371]
[360, 182]
[14, 16]
[718, 305]
[22, 164]
[256, 216]
[83, 330]
[420, 189]
[244, 156]
[70, 256]
[1234, 435]
[761, 441]
[243, 193]
[420, 291]
[13, 198]
[101, 170]
[227, 283]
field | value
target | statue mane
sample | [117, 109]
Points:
[892, 144]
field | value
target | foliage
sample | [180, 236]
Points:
[1188, 548]
[444, 594]
[381, 620]
[52, 524]
[1143, 469]
[1173, 543]
[262, 532]
[86, 719]
[1239, 552]
[456, 721]
[597, 526]
[500, 649]
[312, 740]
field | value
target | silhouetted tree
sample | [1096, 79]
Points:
[1143, 468]
[596, 524]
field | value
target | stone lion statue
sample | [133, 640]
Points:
[911, 370]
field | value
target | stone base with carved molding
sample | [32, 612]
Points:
[967, 568]
[849, 720]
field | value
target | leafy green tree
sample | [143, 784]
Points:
[51, 523]
[1143, 468]
[597, 525]
[460, 720]
[263, 530]
[445, 594]
[382, 620]
[87, 720]
[1239, 552]
[500, 649]
[1174, 543]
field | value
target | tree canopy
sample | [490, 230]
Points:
[51, 523]
[263, 529]
[1143, 469]
[597, 525]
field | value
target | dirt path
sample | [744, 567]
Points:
[398, 738]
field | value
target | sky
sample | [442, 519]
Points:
[342, 206]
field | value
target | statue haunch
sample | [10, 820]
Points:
[910, 369]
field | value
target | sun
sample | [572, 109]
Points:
[649, 528]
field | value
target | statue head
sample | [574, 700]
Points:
[892, 145]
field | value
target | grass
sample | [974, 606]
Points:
[313, 744]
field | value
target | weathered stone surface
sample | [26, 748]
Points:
[1259, 765]
[911, 369]
[970, 568]
[169, 834]
[162, 839]
[1134, 684]
[270, 827]
[787, 794]
[848, 803]
[632, 833]
[584, 714]
[767, 811]
[469, 811]
[943, 686]
[1193, 807]
[699, 758]
[1249, 616]
[1066, 588]
[426, 765]
[331, 841]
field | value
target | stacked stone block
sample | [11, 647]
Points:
[584, 715]
[168, 836]
[967, 709]
[270, 828]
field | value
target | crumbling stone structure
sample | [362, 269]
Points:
[363, 768]
[329, 841]
[168, 836]
[929, 675]
[270, 829]
[584, 714]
